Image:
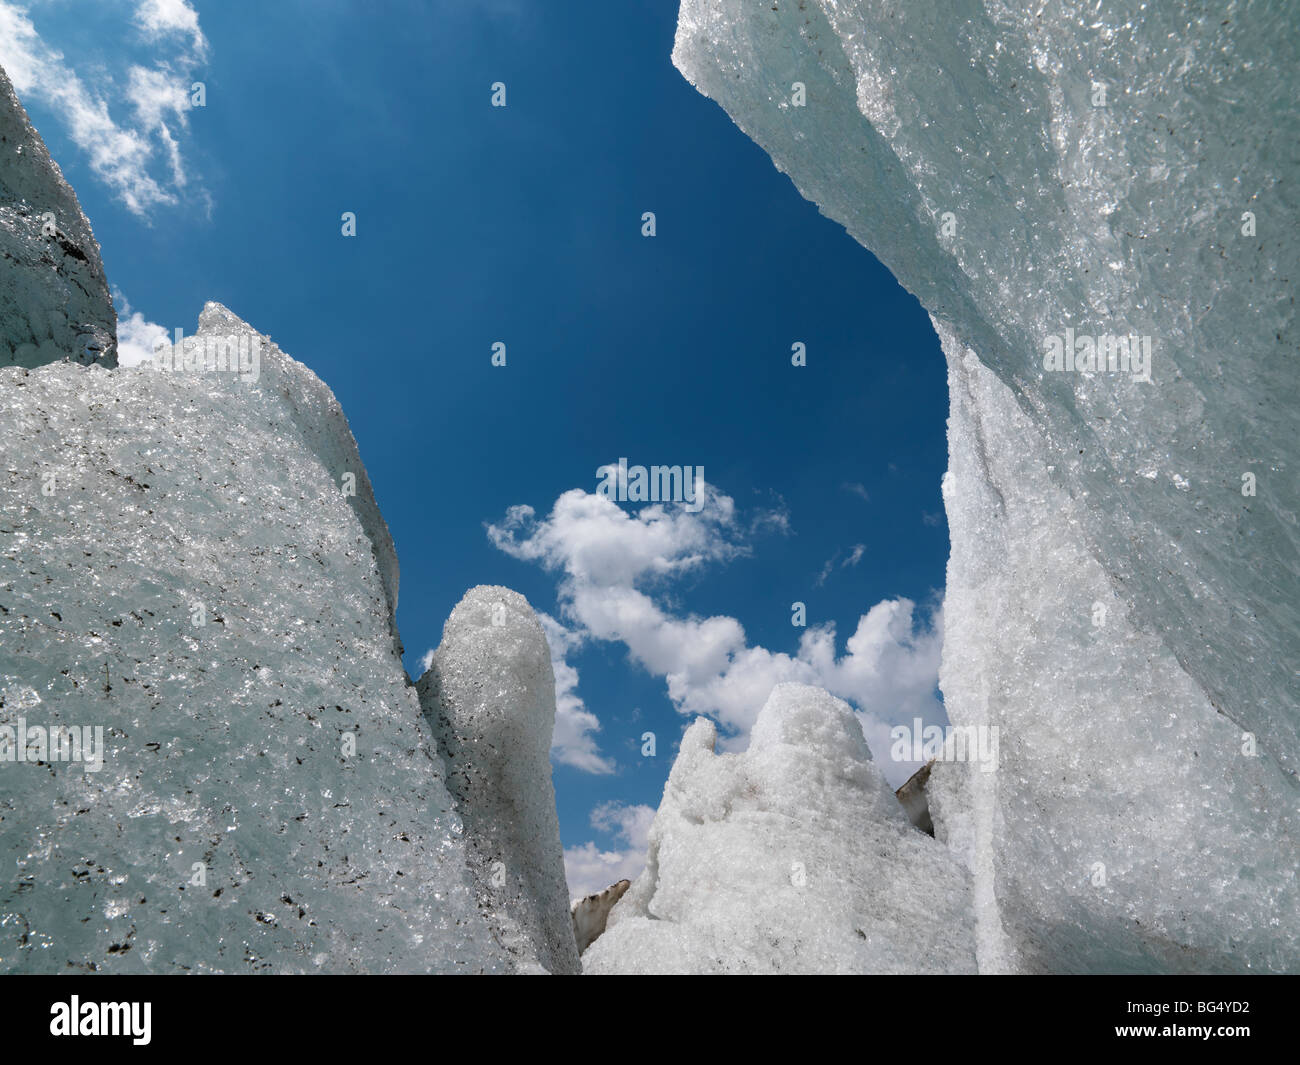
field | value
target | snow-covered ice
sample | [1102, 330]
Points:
[791, 857]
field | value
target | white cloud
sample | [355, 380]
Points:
[848, 562]
[157, 94]
[136, 337]
[827, 570]
[597, 543]
[161, 18]
[630, 823]
[589, 869]
[121, 153]
[609, 560]
[426, 660]
[573, 742]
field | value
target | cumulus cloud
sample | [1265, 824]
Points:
[611, 563]
[136, 337]
[589, 869]
[122, 151]
[573, 743]
[630, 823]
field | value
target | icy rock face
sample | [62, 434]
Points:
[1124, 587]
[54, 299]
[793, 856]
[181, 566]
[490, 695]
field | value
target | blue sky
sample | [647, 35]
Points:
[523, 224]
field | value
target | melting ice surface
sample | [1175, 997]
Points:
[1124, 590]
[197, 582]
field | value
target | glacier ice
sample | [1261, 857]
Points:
[194, 569]
[54, 299]
[1131, 833]
[315, 414]
[194, 562]
[212, 758]
[793, 856]
[1124, 584]
[489, 693]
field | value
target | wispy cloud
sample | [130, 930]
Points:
[123, 151]
[847, 562]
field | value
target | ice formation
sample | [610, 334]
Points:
[490, 695]
[1123, 594]
[212, 757]
[54, 300]
[193, 562]
[792, 857]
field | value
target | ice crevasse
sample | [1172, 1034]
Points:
[1123, 592]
